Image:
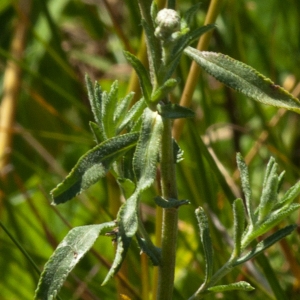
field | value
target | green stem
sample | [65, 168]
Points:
[170, 217]
[225, 269]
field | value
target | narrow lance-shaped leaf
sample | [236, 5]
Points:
[133, 114]
[275, 218]
[66, 256]
[159, 201]
[237, 286]
[244, 173]
[239, 225]
[163, 90]
[142, 74]
[289, 196]
[148, 146]
[174, 111]
[127, 186]
[153, 47]
[96, 130]
[147, 246]
[206, 242]
[280, 180]
[97, 110]
[127, 227]
[95, 98]
[109, 105]
[184, 41]
[122, 106]
[178, 152]
[123, 243]
[269, 168]
[244, 79]
[153, 255]
[268, 242]
[92, 166]
[189, 14]
[269, 194]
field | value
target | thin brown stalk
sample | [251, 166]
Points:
[117, 27]
[194, 72]
[12, 83]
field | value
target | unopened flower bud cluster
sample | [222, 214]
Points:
[168, 22]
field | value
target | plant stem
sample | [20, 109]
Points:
[225, 269]
[170, 216]
[12, 83]
[191, 82]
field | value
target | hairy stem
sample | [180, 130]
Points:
[170, 217]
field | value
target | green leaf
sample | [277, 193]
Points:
[268, 171]
[185, 40]
[170, 202]
[289, 196]
[163, 90]
[128, 216]
[272, 220]
[178, 152]
[142, 73]
[136, 126]
[144, 162]
[99, 103]
[127, 186]
[66, 256]
[153, 11]
[132, 115]
[243, 79]
[95, 98]
[92, 166]
[269, 193]
[268, 242]
[239, 225]
[280, 180]
[123, 243]
[147, 149]
[153, 47]
[206, 242]
[244, 173]
[237, 286]
[122, 107]
[109, 105]
[189, 14]
[174, 111]
[97, 132]
[153, 255]
[127, 227]
[177, 49]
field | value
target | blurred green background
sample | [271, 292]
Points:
[46, 47]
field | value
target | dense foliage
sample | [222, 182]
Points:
[65, 40]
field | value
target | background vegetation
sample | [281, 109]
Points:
[46, 47]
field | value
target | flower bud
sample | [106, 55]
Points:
[168, 22]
